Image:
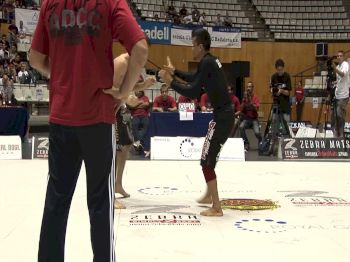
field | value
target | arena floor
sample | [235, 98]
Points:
[162, 221]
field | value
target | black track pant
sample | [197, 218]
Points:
[219, 130]
[69, 146]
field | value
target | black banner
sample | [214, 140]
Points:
[40, 149]
[315, 148]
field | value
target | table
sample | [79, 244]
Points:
[13, 121]
[169, 124]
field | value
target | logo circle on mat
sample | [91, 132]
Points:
[248, 204]
[158, 191]
[186, 147]
[257, 225]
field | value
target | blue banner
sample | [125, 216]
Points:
[158, 32]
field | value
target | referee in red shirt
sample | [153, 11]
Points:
[72, 45]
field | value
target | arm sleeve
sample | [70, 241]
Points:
[193, 89]
[187, 76]
[155, 103]
[203, 101]
[345, 68]
[125, 29]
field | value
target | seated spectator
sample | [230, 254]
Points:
[139, 107]
[22, 32]
[4, 40]
[234, 99]
[2, 51]
[205, 103]
[188, 19]
[23, 75]
[176, 20]
[184, 99]
[195, 14]
[13, 52]
[12, 73]
[156, 17]
[171, 10]
[6, 90]
[227, 21]
[218, 21]
[164, 102]
[183, 11]
[249, 115]
[202, 19]
[17, 62]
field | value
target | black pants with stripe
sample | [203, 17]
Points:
[218, 132]
[69, 146]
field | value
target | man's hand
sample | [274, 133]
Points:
[150, 81]
[169, 67]
[165, 76]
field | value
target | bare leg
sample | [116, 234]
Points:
[215, 210]
[122, 156]
[118, 205]
[206, 198]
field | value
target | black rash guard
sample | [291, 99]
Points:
[211, 78]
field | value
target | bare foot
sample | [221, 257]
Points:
[120, 190]
[212, 212]
[118, 205]
[205, 200]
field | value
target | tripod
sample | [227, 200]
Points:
[276, 127]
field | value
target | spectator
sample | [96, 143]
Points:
[227, 21]
[202, 19]
[4, 40]
[183, 11]
[6, 90]
[299, 100]
[234, 99]
[195, 14]
[205, 103]
[249, 115]
[22, 32]
[23, 75]
[176, 20]
[218, 21]
[156, 17]
[17, 62]
[13, 52]
[2, 51]
[140, 117]
[171, 10]
[188, 19]
[12, 74]
[164, 102]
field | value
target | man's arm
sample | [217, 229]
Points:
[187, 76]
[40, 62]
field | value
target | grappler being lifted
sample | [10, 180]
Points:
[211, 77]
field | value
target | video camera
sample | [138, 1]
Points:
[276, 87]
[331, 74]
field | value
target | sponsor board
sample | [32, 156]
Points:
[10, 147]
[40, 147]
[162, 215]
[315, 148]
[307, 198]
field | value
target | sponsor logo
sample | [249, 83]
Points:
[41, 147]
[187, 148]
[269, 226]
[248, 204]
[314, 198]
[146, 215]
[158, 191]
[260, 225]
[158, 34]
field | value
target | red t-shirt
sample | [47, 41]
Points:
[205, 101]
[299, 94]
[78, 40]
[236, 102]
[141, 111]
[252, 114]
[165, 104]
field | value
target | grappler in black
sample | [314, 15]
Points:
[209, 76]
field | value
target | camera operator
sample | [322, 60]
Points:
[280, 87]
[249, 114]
[341, 94]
